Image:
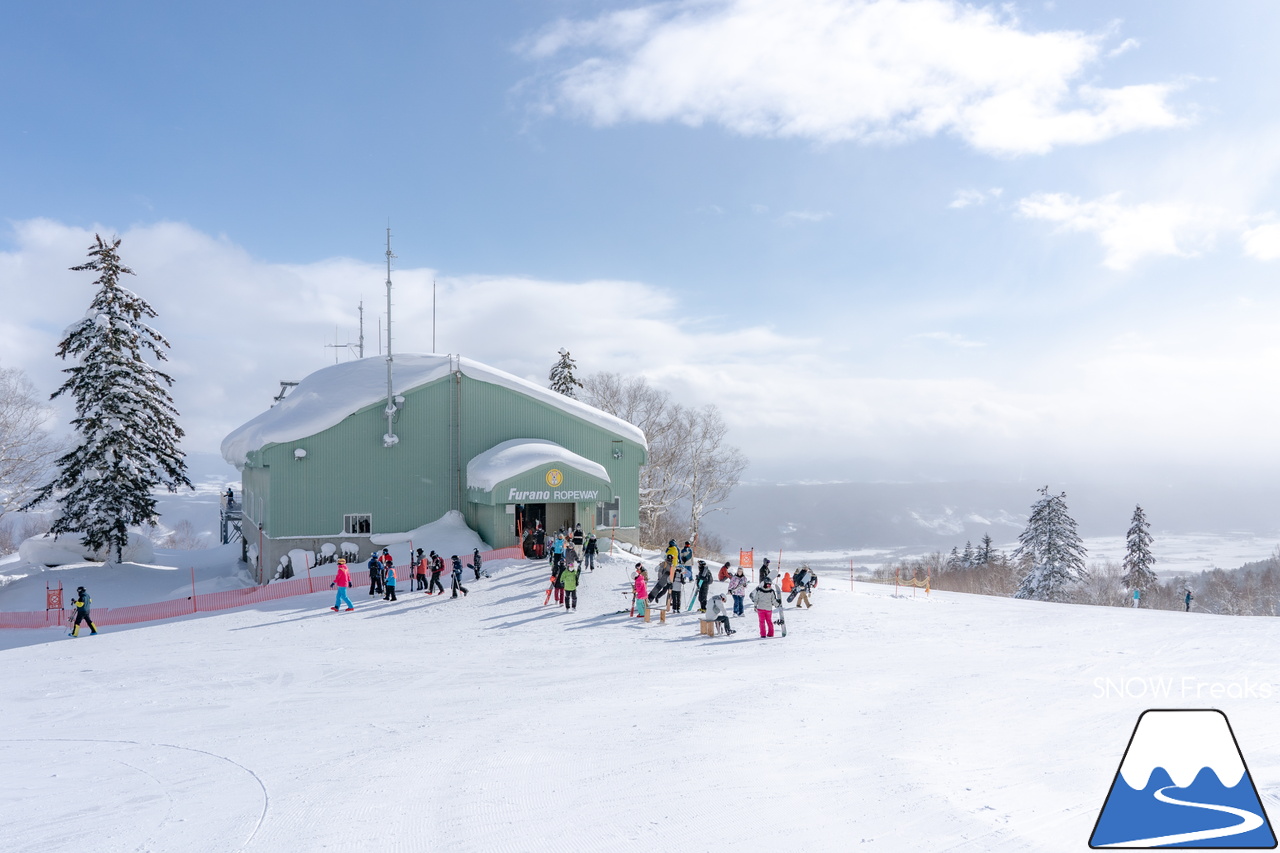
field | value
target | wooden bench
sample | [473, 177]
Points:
[710, 627]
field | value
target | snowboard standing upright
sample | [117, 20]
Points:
[782, 619]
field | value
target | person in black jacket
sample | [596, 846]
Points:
[437, 568]
[475, 562]
[457, 576]
[375, 575]
[704, 585]
[589, 552]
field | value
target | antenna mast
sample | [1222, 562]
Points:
[390, 439]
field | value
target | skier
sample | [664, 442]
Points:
[765, 598]
[475, 562]
[738, 589]
[662, 582]
[375, 574]
[677, 585]
[641, 590]
[577, 535]
[764, 570]
[718, 614]
[557, 577]
[82, 604]
[724, 572]
[420, 572]
[391, 584]
[569, 580]
[557, 547]
[704, 585]
[342, 580]
[1137, 597]
[539, 541]
[387, 562]
[437, 568]
[457, 577]
[1187, 602]
[590, 551]
[570, 555]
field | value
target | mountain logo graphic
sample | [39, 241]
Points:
[1183, 783]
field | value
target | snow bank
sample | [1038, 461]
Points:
[512, 458]
[447, 535]
[327, 397]
[44, 550]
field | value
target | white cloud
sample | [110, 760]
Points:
[971, 198]
[1262, 242]
[835, 70]
[239, 325]
[1131, 232]
[949, 338]
[806, 215]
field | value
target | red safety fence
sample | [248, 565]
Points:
[316, 580]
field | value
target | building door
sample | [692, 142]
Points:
[559, 515]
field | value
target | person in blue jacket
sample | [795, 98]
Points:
[81, 605]
[457, 577]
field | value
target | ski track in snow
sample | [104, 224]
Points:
[494, 723]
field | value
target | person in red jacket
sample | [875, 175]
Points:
[342, 581]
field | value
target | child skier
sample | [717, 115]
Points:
[375, 574]
[437, 568]
[641, 590]
[738, 589]
[391, 584]
[82, 604]
[704, 585]
[677, 584]
[457, 576]
[569, 579]
[420, 572]
[718, 614]
[342, 580]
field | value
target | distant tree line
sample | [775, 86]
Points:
[1049, 565]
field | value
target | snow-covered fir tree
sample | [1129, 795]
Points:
[1138, 561]
[1053, 549]
[563, 380]
[953, 563]
[126, 426]
[967, 558]
[986, 554]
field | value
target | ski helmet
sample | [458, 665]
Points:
[80, 590]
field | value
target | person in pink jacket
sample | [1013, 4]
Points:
[642, 590]
[342, 581]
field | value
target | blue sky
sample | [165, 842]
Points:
[889, 239]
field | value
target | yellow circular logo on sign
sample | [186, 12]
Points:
[554, 477]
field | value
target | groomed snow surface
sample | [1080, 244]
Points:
[495, 723]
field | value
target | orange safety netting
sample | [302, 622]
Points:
[316, 580]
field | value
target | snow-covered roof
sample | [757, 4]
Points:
[327, 397]
[512, 458]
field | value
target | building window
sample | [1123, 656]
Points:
[357, 524]
[608, 514]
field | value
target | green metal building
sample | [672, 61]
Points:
[340, 460]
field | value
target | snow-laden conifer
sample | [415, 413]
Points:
[563, 380]
[1053, 550]
[987, 554]
[126, 426]
[967, 558]
[1138, 561]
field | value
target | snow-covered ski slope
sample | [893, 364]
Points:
[493, 723]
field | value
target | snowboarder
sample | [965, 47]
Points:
[390, 581]
[375, 574]
[704, 585]
[457, 577]
[718, 614]
[738, 589]
[569, 580]
[641, 587]
[662, 580]
[765, 598]
[342, 580]
[1187, 602]
[803, 582]
[437, 568]
[764, 570]
[476, 562]
[420, 572]
[686, 555]
[590, 551]
[673, 552]
[82, 604]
